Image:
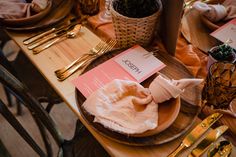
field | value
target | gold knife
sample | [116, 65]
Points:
[196, 133]
[54, 35]
[40, 35]
[48, 44]
[207, 142]
[48, 38]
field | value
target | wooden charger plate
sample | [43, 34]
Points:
[58, 11]
[179, 113]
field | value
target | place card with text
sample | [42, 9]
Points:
[227, 32]
[135, 64]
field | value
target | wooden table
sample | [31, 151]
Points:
[65, 52]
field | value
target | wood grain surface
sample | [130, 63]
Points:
[64, 53]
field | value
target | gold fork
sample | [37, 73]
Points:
[82, 65]
[91, 52]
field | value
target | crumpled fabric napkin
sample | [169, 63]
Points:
[231, 9]
[213, 12]
[14, 9]
[127, 107]
[163, 89]
[217, 12]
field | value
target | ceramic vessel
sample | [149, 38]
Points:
[212, 60]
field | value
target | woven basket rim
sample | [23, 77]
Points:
[158, 12]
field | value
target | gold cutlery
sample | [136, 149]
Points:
[40, 35]
[222, 149]
[46, 39]
[81, 65]
[197, 132]
[92, 51]
[51, 36]
[69, 34]
[207, 142]
[87, 61]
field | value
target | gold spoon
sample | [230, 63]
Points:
[222, 149]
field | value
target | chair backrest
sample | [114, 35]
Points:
[3, 151]
[6, 64]
[40, 116]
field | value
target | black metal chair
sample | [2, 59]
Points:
[22, 68]
[83, 144]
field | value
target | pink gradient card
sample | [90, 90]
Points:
[227, 32]
[134, 64]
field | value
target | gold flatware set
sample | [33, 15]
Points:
[57, 38]
[199, 131]
[82, 62]
[206, 143]
[41, 41]
[44, 40]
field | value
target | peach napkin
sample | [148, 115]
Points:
[127, 107]
[14, 9]
[163, 89]
[217, 12]
[124, 106]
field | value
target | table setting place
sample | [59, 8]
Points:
[133, 113]
[204, 23]
[135, 94]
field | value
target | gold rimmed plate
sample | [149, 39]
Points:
[176, 116]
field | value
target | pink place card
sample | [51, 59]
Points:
[227, 32]
[134, 64]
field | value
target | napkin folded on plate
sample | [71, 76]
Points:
[127, 107]
[15, 9]
[163, 89]
[217, 12]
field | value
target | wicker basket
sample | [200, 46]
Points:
[131, 31]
